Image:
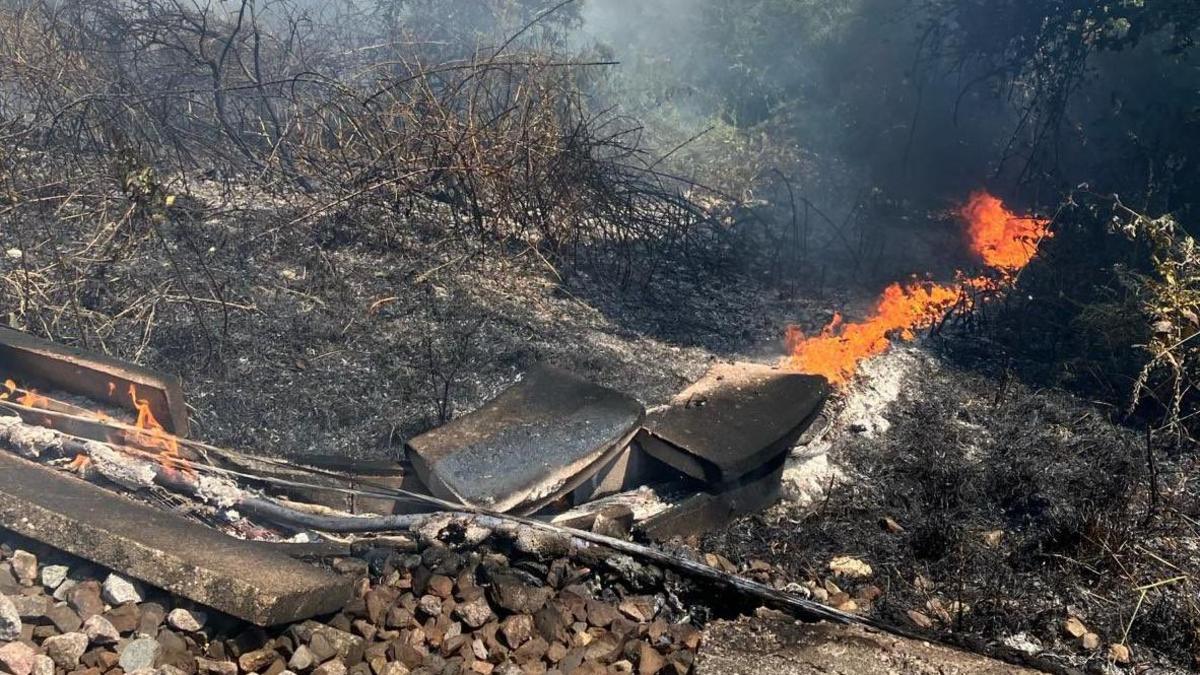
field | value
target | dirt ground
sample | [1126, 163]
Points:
[754, 646]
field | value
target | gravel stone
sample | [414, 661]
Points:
[118, 590]
[25, 567]
[517, 629]
[255, 661]
[430, 604]
[64, 618]
[17, 658]
[302, 659]
[43, 665]
[334, 667]
[54, 575]
[66, 649]
[64, 589]
[31, 606]
[10, 620]
[85, 599]
[100, 631]
[186, 620]
[474, 613]
[139, 654]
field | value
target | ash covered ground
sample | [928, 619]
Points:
[343, 339]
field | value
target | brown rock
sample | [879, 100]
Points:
[399, 617]
[555, 652]
[440, 585]
[681, 661]
[869, 593]
[649, 660]
[85, 599]
[531, 652]
[216, 667]
[123, 617]
[920, 620]
[255, 661]
[334, 667]
[278, 666]
[1090, 642]
[150, 617]
[1074, 627]
[639, 608]
[482, 667]
[64, 618]
[1119, 653]
[347, 647]
[517, 629]
[16, 658]
[378, 601]
[687, 635]
[365, 628]
[551, 624]
[720, 562]
[513, 593]
[601, 614]
[889, 525]
[24, 567]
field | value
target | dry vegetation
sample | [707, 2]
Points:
[112, 114]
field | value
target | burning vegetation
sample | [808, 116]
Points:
[1003, 242]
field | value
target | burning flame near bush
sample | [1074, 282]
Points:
[1003, 241]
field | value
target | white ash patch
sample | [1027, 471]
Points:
[861, 412]
[218, 491]
[27, 440]
[129, 472]
[878, 385]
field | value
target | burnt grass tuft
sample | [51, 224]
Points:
[1068, 490]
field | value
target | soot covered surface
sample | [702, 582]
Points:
[733, 419]
[527, 444]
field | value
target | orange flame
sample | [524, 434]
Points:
[150, 434]
[840, 347]
[26, 397]
[1002, 240]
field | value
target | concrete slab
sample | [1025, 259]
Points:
[240, 578]
[534, 443]
[708, 510]
[735, 419]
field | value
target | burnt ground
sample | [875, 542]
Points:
[348, 336]
[996, 511]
